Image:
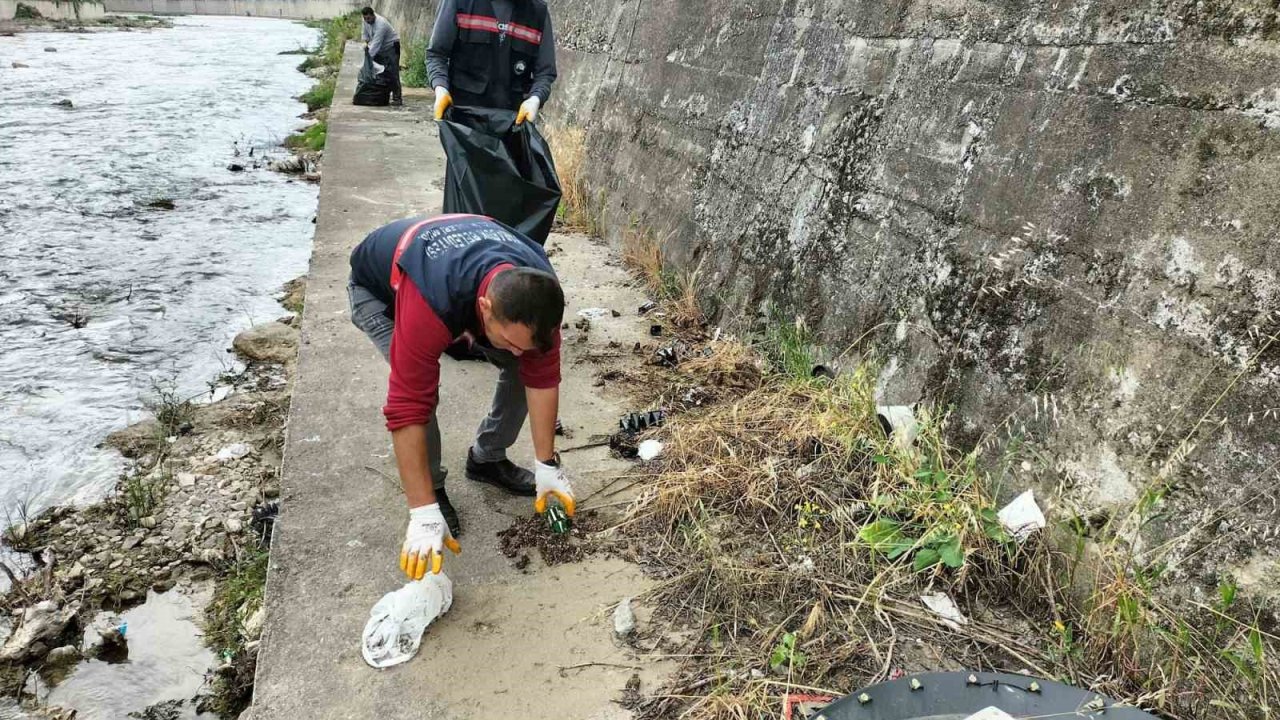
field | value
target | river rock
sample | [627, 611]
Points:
[235, 451]
[233, 525]
[253, 624]
[40, 622]
[105, 634]
[62, 657]
[17, 65]
[149, 522]
[64, 103]
[270, 342]
[131, 542]
[51, 49]
[186, 480]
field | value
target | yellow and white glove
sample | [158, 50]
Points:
[443, 101]
[529, 110]
[424, 542]
[549, 479]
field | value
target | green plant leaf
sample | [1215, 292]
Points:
[882, 459]
[1227, 594]
[926, 558]
[1255, 644]
[951, 553]
[885, 536]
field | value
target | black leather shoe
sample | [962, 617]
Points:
[503, 473]
[450, 515]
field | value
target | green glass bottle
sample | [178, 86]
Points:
[557, 519]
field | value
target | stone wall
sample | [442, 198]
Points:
[1059, 218]
[292, 9]
[54, 9]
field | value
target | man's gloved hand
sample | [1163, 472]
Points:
[550, 480]
[424, 542]
[443, 101]
[529, 109]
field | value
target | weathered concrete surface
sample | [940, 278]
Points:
[1058, 217]
[55, 9]
[291, 9]
[498, 653]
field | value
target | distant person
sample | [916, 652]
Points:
[417, 285]
[494, 54]
[383, 43]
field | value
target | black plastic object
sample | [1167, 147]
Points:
[371, 88]
[957, 695]
[637, 421]
[499, 169]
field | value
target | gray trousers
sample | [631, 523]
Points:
[498, 431]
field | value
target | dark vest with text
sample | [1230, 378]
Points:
[492, 62]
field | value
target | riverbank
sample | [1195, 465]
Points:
[30, 18]
[196, 506]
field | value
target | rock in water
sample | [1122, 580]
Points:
[272, 342]
[64, 103]
[17, 65]
[51, 49]
[40, 622]
[62, 657]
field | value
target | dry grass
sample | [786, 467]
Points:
[793, 538]
[577, 211]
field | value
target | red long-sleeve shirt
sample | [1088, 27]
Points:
[418, 341]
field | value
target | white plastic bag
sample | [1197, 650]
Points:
[397, 621]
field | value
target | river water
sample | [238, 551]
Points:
[155, 115]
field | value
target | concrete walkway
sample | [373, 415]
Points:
[499, 653]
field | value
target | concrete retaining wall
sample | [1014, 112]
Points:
[1059, 218]
[293, 9]
[54, 9]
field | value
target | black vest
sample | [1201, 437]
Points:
[446, 259]
[492, 64]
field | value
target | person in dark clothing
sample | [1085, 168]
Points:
[383, 44]
[417, 285]
[492, 53]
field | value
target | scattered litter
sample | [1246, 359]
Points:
[695, 396]
[898, 422]
[655, 330]
[594, 313]
[942, 606]
[1022, 517]
[233, 452]
[990, 713]
[583, 324]
[668, 356]
[624, 619]
[397, 621]
[822, 371]
[615, 313]
[649, 449]
[804, 707]
[220, 393]
[636, 421]
[648, 306]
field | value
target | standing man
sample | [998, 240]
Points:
[492, 53]
[417, 285]
[383, 44]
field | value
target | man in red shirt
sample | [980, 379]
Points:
[417, 285]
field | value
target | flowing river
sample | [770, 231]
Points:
[105, 291]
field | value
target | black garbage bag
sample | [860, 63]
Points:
[499, 169]
[372, 88]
